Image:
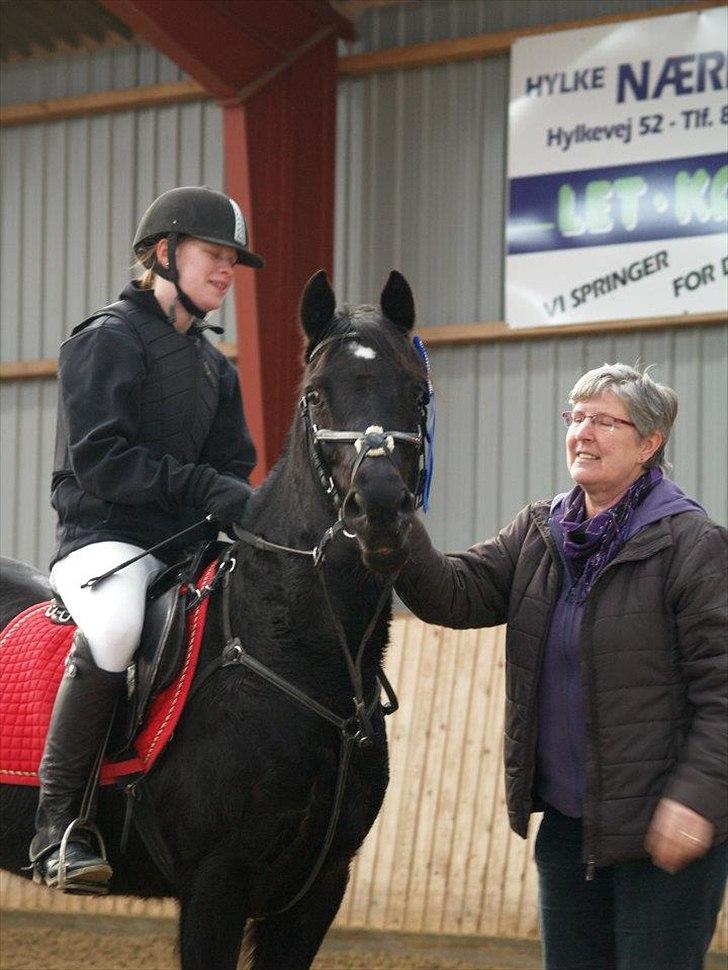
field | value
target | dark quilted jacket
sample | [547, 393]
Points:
[654, 642]
[149, 419]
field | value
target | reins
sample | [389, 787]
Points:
[234, 653]
[374, 442]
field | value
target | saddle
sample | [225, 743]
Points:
[33, 649]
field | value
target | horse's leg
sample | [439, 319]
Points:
[212, 915]
[291, 940]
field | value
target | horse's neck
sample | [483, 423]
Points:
[291, 508]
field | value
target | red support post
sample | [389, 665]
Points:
[247, 325]
[279, 161]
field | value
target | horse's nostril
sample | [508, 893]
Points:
[353, 505]
[407, 503]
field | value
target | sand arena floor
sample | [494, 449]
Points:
[51, 941]
[40, 941]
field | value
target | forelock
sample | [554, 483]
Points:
[375, 332]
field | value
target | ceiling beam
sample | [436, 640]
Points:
[201, 39]
[231, 47]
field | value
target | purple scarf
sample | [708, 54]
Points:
[590, 545]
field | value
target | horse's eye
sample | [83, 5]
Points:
[313, 397]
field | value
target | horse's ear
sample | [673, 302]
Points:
[318, 305]
[397, 302]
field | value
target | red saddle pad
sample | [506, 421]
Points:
[32, 652]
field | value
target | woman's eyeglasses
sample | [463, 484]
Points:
[600, 419]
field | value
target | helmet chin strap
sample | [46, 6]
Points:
[170, 273]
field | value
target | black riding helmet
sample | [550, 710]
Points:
[193, 211]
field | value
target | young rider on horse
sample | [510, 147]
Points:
[151, 437]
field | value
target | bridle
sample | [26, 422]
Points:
[373, 442]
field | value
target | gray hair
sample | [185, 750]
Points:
[651, 406]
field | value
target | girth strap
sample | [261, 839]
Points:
[347, 744]
[140, 810]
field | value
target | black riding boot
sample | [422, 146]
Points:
[79, 725]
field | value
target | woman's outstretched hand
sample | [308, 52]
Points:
[677, 835]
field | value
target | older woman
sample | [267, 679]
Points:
[615, 598]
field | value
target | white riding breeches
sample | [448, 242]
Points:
[110, 615]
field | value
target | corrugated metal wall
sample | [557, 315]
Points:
[72, 194]
[71, 75]
[415, 22]
[421, 186]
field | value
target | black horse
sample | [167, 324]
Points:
[244, 793]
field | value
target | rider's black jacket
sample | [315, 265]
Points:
[149, 419]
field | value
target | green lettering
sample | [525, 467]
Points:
[629, 191]
[690, 192]
[598, 207]
[719, 195]
[568, 219]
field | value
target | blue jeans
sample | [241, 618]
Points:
[630, 916]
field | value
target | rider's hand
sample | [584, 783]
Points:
[226, 500]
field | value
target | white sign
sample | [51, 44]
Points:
[618, 171]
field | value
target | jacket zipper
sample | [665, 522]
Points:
[569, 602]
[591, 797]
[589, 831]
[533, 727]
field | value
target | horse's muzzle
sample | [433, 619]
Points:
[381, 524]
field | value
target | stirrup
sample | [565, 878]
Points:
[76, 884]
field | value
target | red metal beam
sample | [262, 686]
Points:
[283, 26]
[202, 39]
[247, 284]
[229, 45]
[286, 132]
